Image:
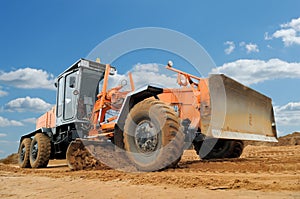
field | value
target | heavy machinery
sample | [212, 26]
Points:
[146, 128]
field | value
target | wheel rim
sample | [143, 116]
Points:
[22, 153]
[34, 151]
[146, 137]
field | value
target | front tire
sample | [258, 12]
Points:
[153, 137]
[40, 150]
[23, 153]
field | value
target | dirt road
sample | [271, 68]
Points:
[262, 171]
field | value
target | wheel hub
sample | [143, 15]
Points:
[22, 154]
[35, 150]
[146, 137]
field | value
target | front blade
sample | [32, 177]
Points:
[239, 112]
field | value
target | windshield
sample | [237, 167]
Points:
[88, 92]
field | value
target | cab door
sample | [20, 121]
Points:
[70, 96]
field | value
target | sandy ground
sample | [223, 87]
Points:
[261, 172]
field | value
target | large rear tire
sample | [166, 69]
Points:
[40, 150]
[222, 149]
[153, 137]
[23, 153]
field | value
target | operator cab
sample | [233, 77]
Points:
[77, 89]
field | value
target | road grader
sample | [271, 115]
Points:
[147, 128]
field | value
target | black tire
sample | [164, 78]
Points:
[40, 150]
[153, 137]
[237, 147]
[23, 153]
[197, 146]
[222, 149]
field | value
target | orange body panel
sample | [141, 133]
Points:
[48, 120]
[188, 101]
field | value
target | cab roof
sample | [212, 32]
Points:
[85, 63]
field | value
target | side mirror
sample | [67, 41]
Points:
[72, 82]
[123, 82]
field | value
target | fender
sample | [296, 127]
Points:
[46, 131]
[133, 98]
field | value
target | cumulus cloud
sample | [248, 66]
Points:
[230, 48]
[288, 36]
[27, 104]
[289, 33]
[143, 74]
[3, 135]
[3, 93]
[30, 120]
[288, 114]
[250, 71]
[294, 23]
[8, 142]
[250, 47]
[267, 36]
[28, 78]
[153, 67]
[152, 75]
[6, 122]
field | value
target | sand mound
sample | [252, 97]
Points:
[11, 159]
[289, 140]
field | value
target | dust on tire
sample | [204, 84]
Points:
[40, 150]
[23, 153]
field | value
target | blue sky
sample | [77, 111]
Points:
[255, 42]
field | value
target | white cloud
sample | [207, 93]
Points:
[30, 120]
[294, 23]
[27, 104]
[146, 67]
[2, 152]
[28, 78]
[289, 33]
[288, 115]
[230, 48]
[8, 142]
[267, 36]
[288, 36]
[3, 93]
[152, 75]
[143, 74]
[6, 122]
[250, 71]
[3, 135]
[250, 47]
